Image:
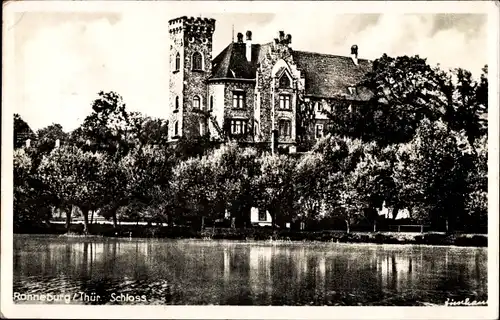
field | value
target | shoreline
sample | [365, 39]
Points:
[271, 236]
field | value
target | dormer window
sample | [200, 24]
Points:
[197, 61]
[318, 106]
[285, 81]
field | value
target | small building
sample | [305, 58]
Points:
[260, 217]
[387, 212]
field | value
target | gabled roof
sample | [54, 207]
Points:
[330, 75]
[325, 75]
[232, 61]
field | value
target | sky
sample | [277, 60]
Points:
[63, 59]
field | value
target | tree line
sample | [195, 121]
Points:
[420, 143]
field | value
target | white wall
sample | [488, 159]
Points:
[254, 217]
[217, 91]
[387, 212]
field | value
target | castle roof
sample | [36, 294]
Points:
[232, 61]
[330, 75]
[325, 75]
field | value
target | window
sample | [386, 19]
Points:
[176, 103]
[318, 106]
[285, 128]
[352, 90]
[262, 215]
[211, 103]
[319, 131]
[284, 81]
[176, 128]
[177, 62]
[238, 126]
[238, 100]
[285, 102]
[196, 102]
[197, 61]
[202, 128]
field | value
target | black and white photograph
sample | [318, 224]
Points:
[228, 156]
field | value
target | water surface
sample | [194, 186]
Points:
[199, 272]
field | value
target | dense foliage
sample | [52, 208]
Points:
[418, 144]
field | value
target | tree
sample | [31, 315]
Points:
[186, 148]
[48, 136]
[305, 120]
[117, 189]
[275, 184]
[76, 177]
[404, 90]
[106, 129]
[194, 188]
[115, 133]
[146, 130]
[22, 190]
[432, 170]
[22, 132]
[235, 171]
[350, 187]
[46, 142]
[310, 180]
[476, 204]
[147, 176]
[470, 104]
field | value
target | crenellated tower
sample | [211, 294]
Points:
[190, 67]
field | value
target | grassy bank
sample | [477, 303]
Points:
[179, 232]
[430, 238]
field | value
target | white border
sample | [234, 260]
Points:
[11, 310]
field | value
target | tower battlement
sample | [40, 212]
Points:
[192, 25]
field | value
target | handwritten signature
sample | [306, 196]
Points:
[466, 302]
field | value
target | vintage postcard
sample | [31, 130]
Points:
[248, 160]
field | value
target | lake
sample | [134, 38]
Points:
[197, 272]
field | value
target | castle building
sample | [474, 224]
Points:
[253, 92]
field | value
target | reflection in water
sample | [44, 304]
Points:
[244, 273]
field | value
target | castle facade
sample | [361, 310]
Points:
[252, 92]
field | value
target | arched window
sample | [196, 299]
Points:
[177, 103]
[211, 103]
[196, 102]
[284, 81]
[197, 61]
[177, 62]
[176, 128]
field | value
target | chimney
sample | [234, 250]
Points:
[248, 51]
[354, 54]
[58, 143]
[282, 36]
[239, 36]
